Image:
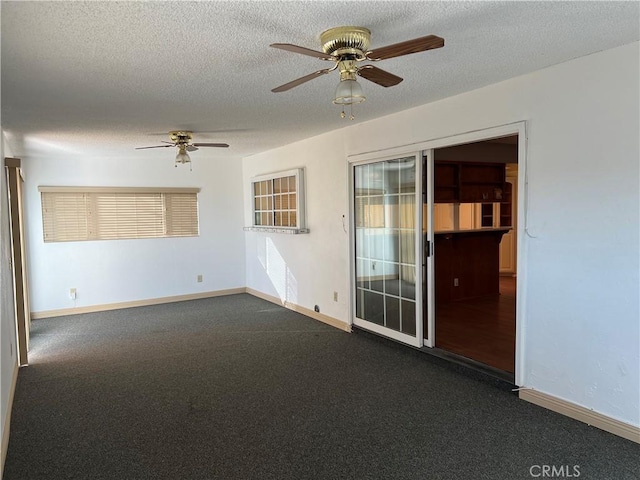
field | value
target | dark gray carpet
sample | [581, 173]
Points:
[238, 388]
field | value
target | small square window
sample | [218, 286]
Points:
[278, 200]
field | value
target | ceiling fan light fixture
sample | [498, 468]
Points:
[348, 92]
[182, 156]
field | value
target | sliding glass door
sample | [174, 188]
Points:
[387, 248]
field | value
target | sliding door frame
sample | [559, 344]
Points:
[421, 148]
[427, 258]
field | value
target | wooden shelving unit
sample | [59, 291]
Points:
[506, 219]
[446, 182]
[486, 219]
[469, 182]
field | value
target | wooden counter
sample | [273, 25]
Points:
[467, 263]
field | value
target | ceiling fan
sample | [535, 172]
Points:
[182, 139]
[348, 46]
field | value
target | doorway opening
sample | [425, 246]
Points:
[474, 232]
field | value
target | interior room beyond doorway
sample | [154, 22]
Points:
[474, 219]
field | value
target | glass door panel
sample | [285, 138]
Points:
[387, 250]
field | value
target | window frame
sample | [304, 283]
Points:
[300, 226]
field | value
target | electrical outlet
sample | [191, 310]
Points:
[199, 278]
[316, 308]
[456, 283]
[335, 296]
[72, 293]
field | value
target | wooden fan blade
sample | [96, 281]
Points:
[155, 146]
[304, 51]
[405, 48]
[301, 80]
[222, 145]
[379, 76]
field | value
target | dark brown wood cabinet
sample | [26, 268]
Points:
[468, 182]
[446, 182]
[466, 264]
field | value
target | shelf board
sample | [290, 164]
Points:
[469, 184]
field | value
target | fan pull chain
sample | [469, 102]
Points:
[190, 169]
[351, 116]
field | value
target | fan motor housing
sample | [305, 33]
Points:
[350, 40]
[180, 136]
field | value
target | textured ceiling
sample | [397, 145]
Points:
[100, 78]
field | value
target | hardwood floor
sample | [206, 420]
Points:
[481, 329]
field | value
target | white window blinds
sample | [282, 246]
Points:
[181, 214]
[77, 213]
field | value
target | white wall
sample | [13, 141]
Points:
[581, 258]
[114, 271]
[305, 269]
[8, 350]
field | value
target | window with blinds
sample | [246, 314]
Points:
[102, 213]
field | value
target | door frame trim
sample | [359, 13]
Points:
[516, 128]
[20, 293]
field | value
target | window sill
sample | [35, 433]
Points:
[290, 231]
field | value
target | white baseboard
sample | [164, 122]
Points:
[135, 303]
[577, 412]
[334, 322]
[7, 419]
